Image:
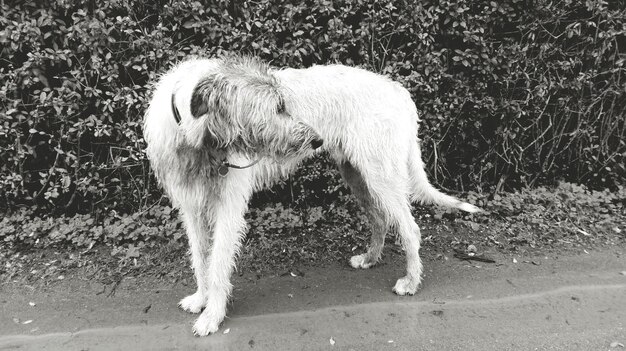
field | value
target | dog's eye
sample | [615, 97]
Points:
[281, 107]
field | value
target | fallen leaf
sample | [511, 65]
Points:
[615, 344]
[390, 341]
[290, 296]
[332, 341]
[32, 304]
[583, 232]
[28, 321]
[227, 331]
[514, 260]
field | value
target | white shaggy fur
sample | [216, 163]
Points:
[238, 110]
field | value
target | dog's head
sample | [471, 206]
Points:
[240, 105]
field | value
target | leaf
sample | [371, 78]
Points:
[189, 24]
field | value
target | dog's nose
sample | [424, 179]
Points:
[316, 143]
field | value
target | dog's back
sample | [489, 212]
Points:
[360, 113]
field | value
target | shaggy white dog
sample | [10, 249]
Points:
[219, 129]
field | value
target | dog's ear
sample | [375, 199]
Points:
[212, 100]
[204, 97]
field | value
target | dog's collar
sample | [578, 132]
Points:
[175, 111]
[223, 168]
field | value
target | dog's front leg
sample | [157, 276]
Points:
[228, 230]
[199, 236]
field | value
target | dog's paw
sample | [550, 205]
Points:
[193, 303]
[207, 323]
[406, 286]
[361, 261]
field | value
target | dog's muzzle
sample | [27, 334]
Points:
[316, 143]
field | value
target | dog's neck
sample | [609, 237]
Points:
[222, 170]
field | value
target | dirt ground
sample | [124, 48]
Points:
[571, 301]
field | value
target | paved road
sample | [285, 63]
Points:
[552, 302]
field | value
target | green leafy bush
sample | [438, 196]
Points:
[522, 92]
[24, 229]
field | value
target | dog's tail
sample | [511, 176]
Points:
[424, 192]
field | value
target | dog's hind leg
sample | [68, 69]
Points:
[388, 186]
[411, 237]
[376, 217]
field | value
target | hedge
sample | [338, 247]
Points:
[513, 92]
